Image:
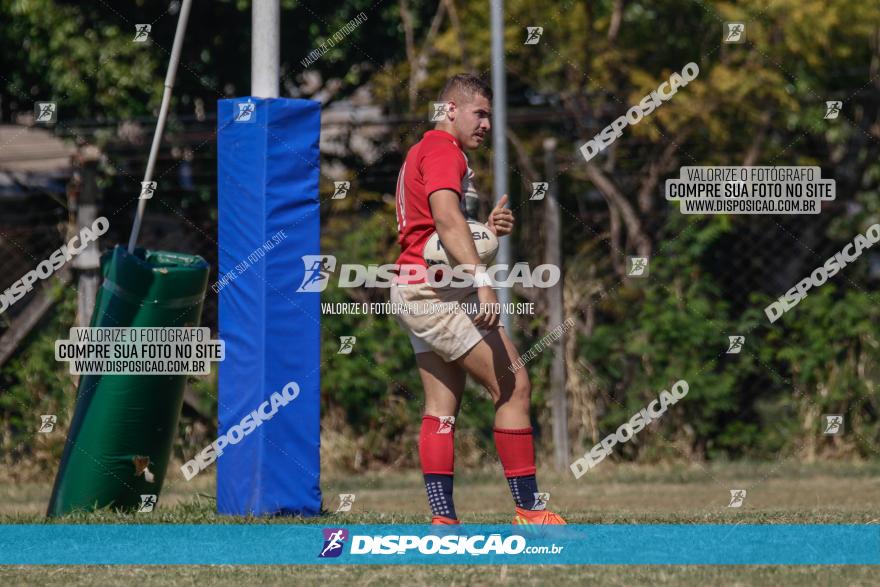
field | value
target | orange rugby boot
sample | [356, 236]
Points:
[537, 517]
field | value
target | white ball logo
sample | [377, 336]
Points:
[485, 241]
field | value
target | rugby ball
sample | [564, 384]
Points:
[485, 241]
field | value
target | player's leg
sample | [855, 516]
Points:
[443, 384]
[488, 363]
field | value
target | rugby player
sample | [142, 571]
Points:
[449, 346]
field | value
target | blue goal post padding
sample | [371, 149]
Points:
[268, 171]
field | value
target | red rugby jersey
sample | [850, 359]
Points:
[434, 163]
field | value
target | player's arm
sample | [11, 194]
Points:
[443, 167]
[455, 234]
[452, 227]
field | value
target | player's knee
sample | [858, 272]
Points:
[517, 391]
[523, 388]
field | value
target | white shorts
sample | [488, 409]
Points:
[437, 323]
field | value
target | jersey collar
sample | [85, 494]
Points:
[442, 133]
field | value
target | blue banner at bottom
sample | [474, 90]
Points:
[265, 544]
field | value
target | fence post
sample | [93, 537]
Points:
[553, 256]
[88, 263]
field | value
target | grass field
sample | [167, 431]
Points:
[776, 494]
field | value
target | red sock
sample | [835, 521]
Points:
[516, 450]
[437, 445]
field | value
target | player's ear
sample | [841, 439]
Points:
[451, 108]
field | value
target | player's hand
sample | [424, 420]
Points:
[501, 219]
[489, 308]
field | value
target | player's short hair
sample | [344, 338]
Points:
[465, 86]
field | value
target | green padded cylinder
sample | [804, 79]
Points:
[120, 421]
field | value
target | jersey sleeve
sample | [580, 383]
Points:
[443, 166]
